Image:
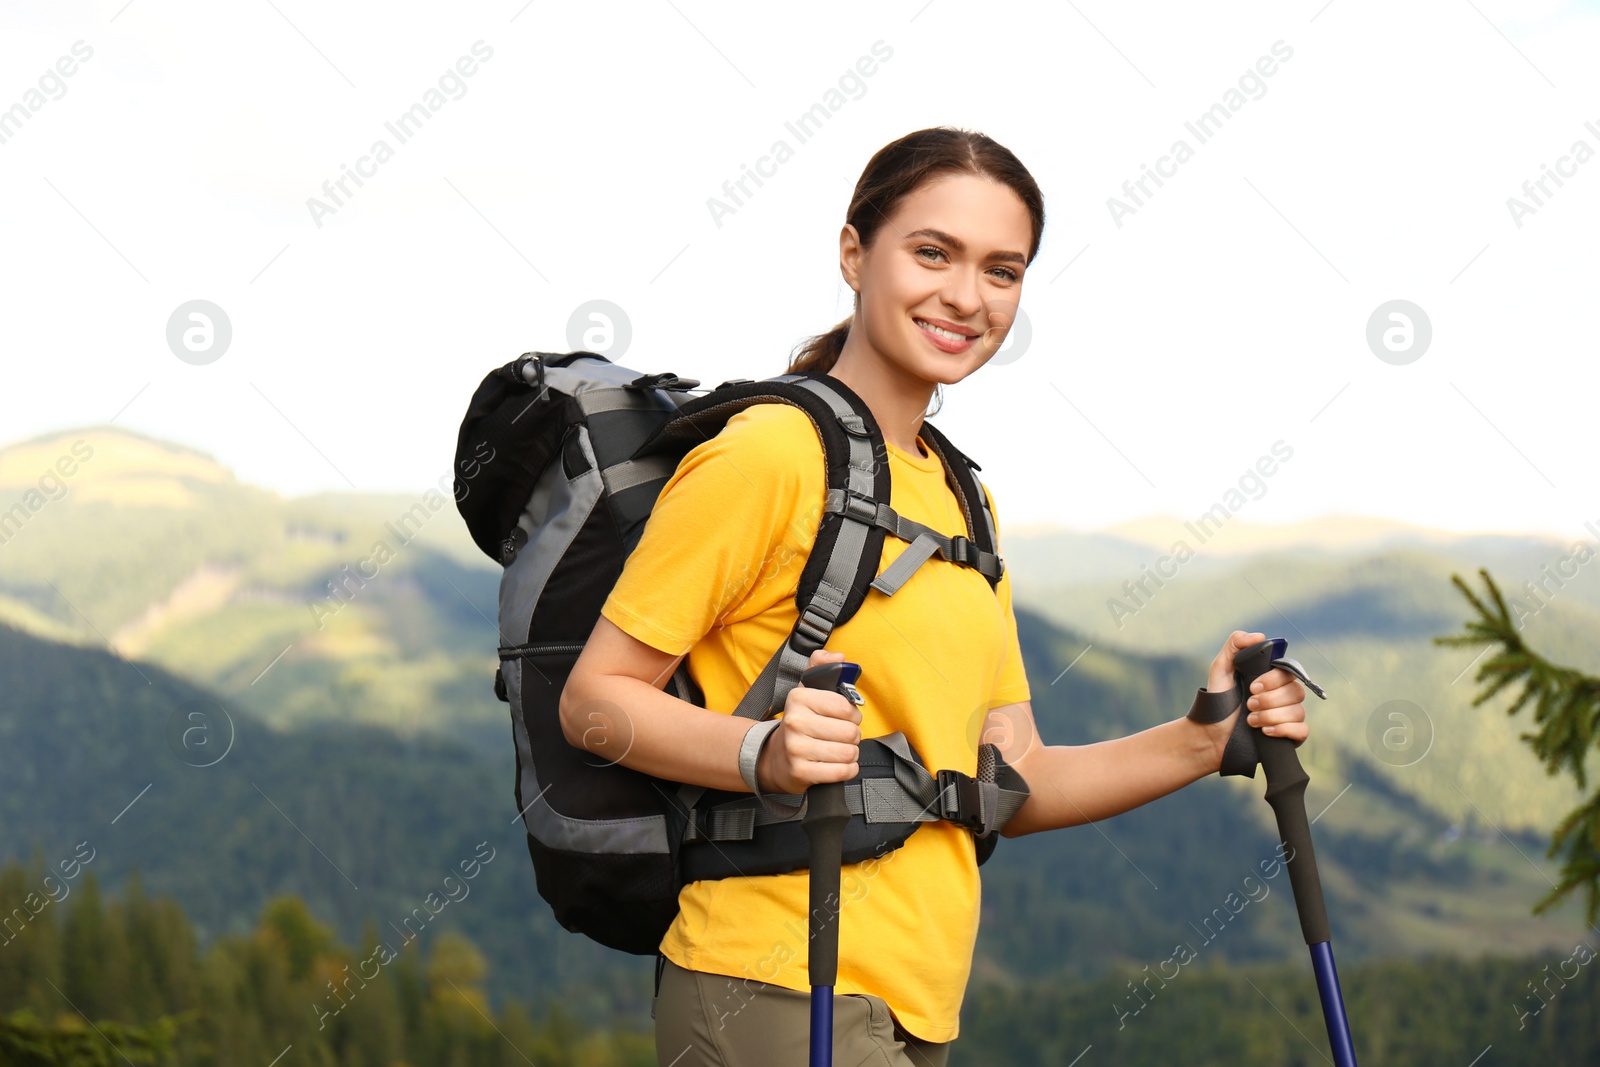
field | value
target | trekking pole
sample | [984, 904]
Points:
[1286, 793]
[824, 822]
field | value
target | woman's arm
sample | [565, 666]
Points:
[614, 705]
[1074, 784]
[1069, 785]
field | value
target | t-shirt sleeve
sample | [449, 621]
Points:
[717, 523]
[1011, 684]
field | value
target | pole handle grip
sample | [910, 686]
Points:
[1286, 792]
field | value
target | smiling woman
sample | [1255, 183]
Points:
[941, 229]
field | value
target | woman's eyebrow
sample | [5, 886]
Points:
[961, 246]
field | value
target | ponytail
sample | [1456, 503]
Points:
[820, 352]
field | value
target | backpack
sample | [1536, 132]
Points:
[560, 459]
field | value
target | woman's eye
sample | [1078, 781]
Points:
[1009, 274]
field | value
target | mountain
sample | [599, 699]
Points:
[349, 638]
[359, 608]
[378, 609]
[223, 812]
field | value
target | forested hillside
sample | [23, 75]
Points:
[134, 967]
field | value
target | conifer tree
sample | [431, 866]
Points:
[1566, 712]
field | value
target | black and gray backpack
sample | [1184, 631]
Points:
[559, 462]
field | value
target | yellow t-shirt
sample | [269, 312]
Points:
[715, 574]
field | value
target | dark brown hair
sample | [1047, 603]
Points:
[894, 172]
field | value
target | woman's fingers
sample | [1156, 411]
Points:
[1286, 719]
[824, 703]
[1282, 696]
[818, 750]
[1294, 731]
[808, 723]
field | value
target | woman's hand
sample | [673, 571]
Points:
[1275, 697]
[817, 740]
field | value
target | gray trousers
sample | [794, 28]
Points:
[714, 1020]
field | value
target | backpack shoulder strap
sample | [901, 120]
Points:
[975, 549]
[844, 559]
[960, 472]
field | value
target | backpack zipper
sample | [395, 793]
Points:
[518, 651]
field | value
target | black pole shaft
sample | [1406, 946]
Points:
[1286, 793]
[825, 818]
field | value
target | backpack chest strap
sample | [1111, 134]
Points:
[924, 541]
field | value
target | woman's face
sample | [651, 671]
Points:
[952, 254]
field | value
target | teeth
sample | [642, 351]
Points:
[941, 331]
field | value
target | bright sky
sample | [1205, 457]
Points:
[1170, 348]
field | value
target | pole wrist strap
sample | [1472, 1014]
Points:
[1240, 756]
[755, 739]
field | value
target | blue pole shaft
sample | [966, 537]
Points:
[822, 1026]
[1344, 1053]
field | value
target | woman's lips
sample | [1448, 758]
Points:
[942, 342]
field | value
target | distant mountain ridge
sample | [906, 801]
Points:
[379, 609]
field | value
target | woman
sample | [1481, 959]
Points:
[941, 228]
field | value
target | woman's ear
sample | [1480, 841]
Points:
[850, 253]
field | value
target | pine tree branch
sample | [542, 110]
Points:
[1566, 713]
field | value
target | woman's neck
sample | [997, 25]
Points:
[897, 401]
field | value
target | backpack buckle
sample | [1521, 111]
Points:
[854, 425]
[664, 380]
[961, 549]
[529, 369]
[807, 626]
[961, 801]
[862, 508]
